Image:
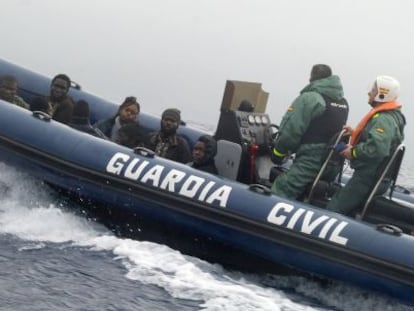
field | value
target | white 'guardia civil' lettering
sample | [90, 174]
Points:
[173, 177]
[133, 170]
[171, 180]
[286, 215]
[191, 186]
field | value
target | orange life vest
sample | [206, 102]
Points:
[383, 107]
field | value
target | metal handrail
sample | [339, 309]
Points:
[324, 165]
[398, 150]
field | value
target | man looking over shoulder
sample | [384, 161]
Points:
[60, 102]
[315, 116]
[372, 143]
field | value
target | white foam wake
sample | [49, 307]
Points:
[30, 211]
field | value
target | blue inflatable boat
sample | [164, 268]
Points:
[140, 194]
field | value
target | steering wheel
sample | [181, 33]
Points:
[270, 133]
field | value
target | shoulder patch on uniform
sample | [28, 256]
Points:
[291, 108]
[376, 115]
[379, 130]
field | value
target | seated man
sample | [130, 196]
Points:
[59, 100]
[167, 143]
[205, 149]
[80, 120]
[131, 135]
[8, 91]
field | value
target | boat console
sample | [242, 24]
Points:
[243, 121]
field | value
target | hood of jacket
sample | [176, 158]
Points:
[330, 87]
[210, 149]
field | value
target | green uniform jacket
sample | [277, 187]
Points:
[383, 133]
[309, 105]
[309, 157]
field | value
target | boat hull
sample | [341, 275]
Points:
[147, 197]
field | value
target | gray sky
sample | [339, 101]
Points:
[179, 53]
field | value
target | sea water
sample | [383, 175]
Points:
[52, 258]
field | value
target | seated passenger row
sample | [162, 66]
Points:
[58, 104]
[123, 128]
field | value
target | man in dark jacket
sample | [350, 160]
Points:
[131, 135]
[205, 149]
[40, 104]
[311, 121]
[167, 143]
[59, 100]
[372, 143]
[80, 120]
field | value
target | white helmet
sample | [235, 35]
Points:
[388, 89]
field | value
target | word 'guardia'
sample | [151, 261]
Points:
[169, 179]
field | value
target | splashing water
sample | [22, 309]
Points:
[31, 211]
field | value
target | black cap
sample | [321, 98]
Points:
[172, 113]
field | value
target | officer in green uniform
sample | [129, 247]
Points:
[311, 121]
[372, 143]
